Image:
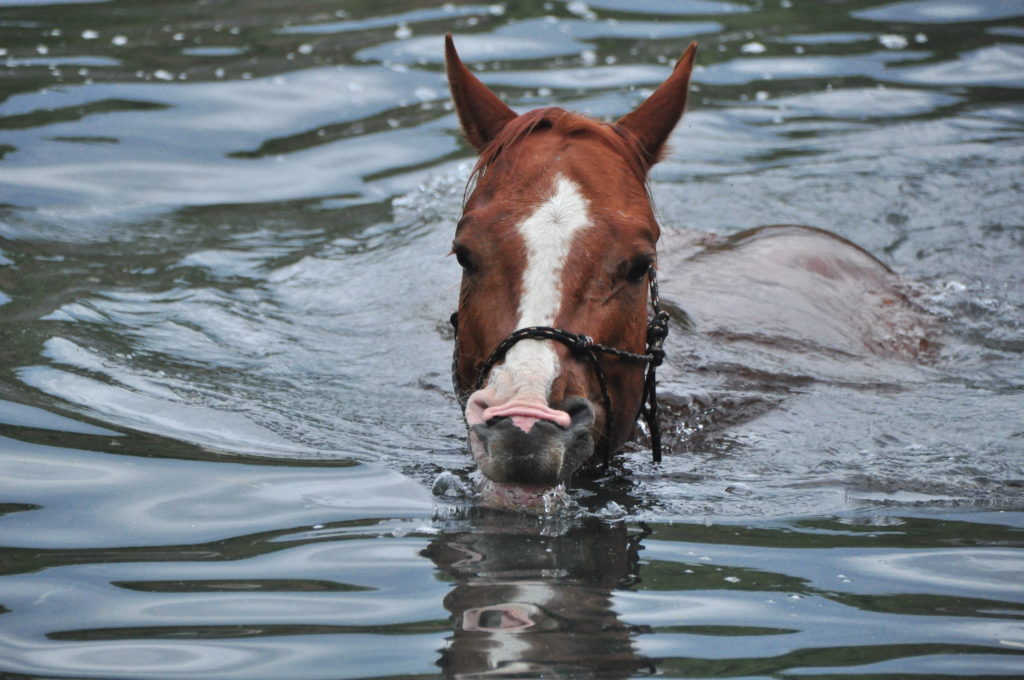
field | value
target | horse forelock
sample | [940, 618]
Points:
[567, 124]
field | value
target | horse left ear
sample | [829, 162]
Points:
[481, 113]
[651, 123]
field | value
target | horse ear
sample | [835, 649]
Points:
[652, 122]
[481, 113]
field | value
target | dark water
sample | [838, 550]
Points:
[224, 398]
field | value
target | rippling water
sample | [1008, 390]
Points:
[224, 398]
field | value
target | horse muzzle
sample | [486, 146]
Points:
[534, 445]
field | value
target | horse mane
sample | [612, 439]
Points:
[567, 124]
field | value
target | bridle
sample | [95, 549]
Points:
[583, 346]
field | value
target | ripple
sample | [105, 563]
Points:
[472, 48]
[989, 571]
[669, 7]
[222, 430]
[298, 656]
[941, 11]
[173, 501]
[446, 12]
[532, 39]
[747, 70]
[204, 118]
[1001, 65]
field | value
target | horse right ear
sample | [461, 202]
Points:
[651, 123]
[481, 113]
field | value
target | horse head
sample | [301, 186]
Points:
[557, 234]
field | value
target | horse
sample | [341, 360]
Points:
[557, 244]
[555, 348]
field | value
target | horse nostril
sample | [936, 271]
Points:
[491, 422]
[577, 408]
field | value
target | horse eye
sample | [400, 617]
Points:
[462, 255]
[638, 268]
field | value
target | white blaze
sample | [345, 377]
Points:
[532, 365]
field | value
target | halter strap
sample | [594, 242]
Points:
[585, 347]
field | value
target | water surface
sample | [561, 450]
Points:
[224, 390]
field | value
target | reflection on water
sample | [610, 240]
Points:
[223, 350]
[537, 603]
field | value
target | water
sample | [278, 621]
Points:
[224, 391]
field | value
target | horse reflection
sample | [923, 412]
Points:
[526, 604]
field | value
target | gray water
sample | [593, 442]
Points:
[224, 393]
